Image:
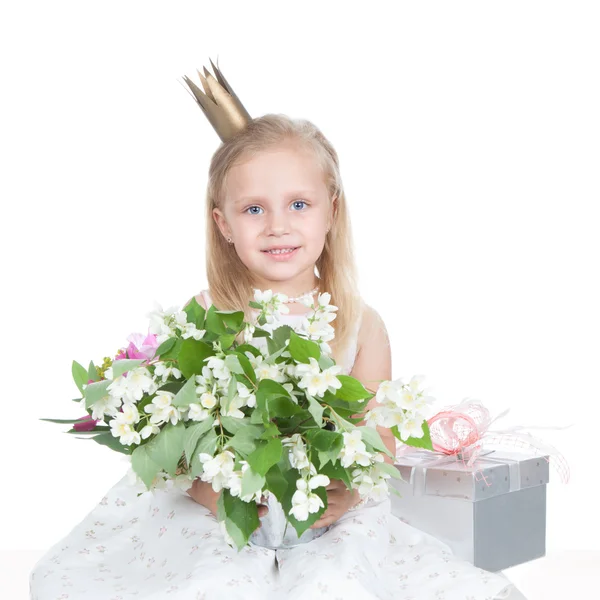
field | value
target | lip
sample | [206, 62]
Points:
[279, 248]
[282, 257]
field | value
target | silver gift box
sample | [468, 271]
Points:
[276, 532]
[492, 514]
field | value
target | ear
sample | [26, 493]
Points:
[334, 207]
[219, 218]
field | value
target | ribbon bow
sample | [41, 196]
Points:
[463, 429]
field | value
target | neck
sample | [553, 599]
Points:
[292, 289]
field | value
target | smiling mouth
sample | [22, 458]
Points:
[283, 251]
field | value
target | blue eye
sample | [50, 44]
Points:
[254, 213]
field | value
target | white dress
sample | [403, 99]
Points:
[167, 546]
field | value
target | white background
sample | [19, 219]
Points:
[468, 138]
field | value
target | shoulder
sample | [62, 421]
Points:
[200, 299]
[372, 326]
[373, 359]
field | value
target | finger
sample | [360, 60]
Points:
[262, 511]
[326, 519]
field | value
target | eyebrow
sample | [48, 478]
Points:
[258, 198]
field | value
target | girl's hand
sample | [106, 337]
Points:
[203, 493]
[339, 500]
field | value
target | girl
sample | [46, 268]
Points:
[276, 209]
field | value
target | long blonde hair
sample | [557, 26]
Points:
[229, 280]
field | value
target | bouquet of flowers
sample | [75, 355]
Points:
[271, 415]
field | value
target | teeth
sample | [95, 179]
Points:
[287, 251]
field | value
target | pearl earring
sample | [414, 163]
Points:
[229, 240]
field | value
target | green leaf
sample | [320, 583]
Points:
[325, 362]
[173, 352]
[233, 425]
[372, 437]
[186, 395]
[213, 321]
[127, 364]
[165, 347]
[352, 389]
[94, 392]
[281, 335]
[251, 482]
[422, 442]
[248, 368]
[93, 372]
[226, 340]
[325, 441]
[315, 409]
[334, 470]
[266, 455]
[192, 355]
[80, 375]
[107, 439]
[195, 313]
[258, 332]
[143, 465]
[390, 470]
[281, 406]
[254, 304]
[167, 447]
[241, 518]
[232, 362]
[301, 349]
[245, 440]
[192, 436]
[276, 482]
[232, 319]
[243, 348]
[207, 443]
[64, 421]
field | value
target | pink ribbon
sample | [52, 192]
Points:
[463, 430]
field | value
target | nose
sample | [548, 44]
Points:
[278, 223]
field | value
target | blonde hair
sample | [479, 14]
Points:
[229, 280]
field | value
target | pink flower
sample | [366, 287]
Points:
[85, 424]
[140, 346]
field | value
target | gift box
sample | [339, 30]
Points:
[492, 513]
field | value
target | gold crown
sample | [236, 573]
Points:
[219, 103]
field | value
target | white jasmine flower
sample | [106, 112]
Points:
[133, 387]
[163, 371]
[162, 410]
[217, 470]
[125, 432]
[353, 450]
[107, 405]
[304, 369]
[129, 415]
[411, 427]
[318, 481]
[197, 413]
[263, 297]
[249, 330]
[330, 379]
[160, 322]
[297, 452]
[208, 400]
[233, 410]
[149, 430]
[247, 394]
[219, 368]
[303, 504]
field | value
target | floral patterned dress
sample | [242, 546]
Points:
[163, 545]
